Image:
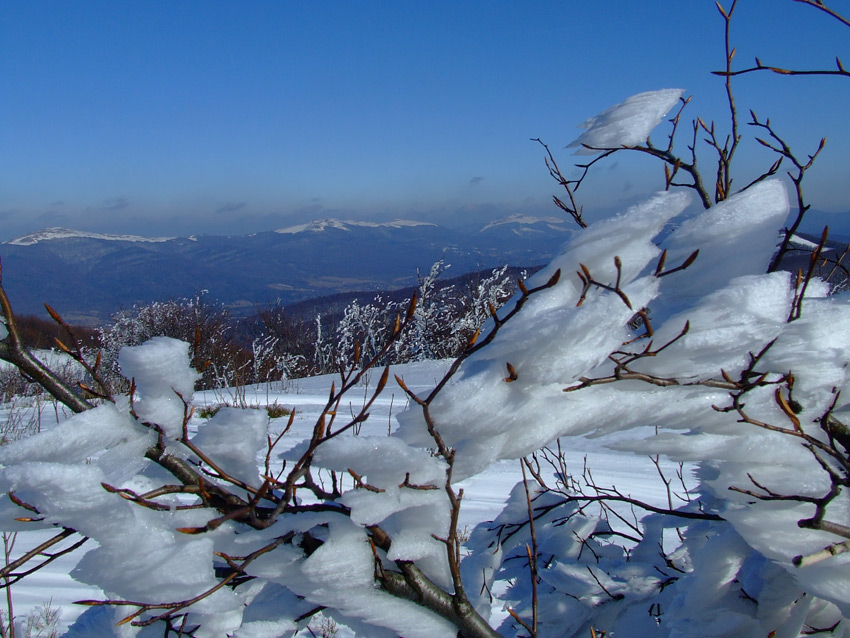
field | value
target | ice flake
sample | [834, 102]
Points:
[626, 124]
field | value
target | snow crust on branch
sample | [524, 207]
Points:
[626, 124]
[162, 377]
[732, 311]
[553, 344]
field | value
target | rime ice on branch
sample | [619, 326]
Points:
[627, 123]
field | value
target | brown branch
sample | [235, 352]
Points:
[820, 5]
[570, 186]
[602, 587]
[13, 350]
[173, 607]
[411, 584]
[144, 499]
[839, 71]
[77, 354]
[674, 161]
[532, 554]
[781, 148]
[39, 550]
[727, 152]
[358, 482]
[406, 483]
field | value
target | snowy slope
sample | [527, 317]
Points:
[319, 225]
[56, 232]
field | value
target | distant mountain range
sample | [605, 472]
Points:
[88, 276]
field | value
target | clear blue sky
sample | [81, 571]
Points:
[236, 117]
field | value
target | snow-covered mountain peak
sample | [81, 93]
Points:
[320, 225]
[66, 233]
[315, 226]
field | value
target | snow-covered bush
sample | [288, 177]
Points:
[205, 326]
[689, 338]
[365, 327]
[728, 375]
[443, 321]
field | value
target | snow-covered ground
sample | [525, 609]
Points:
[484, 494]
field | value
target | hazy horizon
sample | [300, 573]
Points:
[215, 118]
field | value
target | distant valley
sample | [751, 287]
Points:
[89, 276]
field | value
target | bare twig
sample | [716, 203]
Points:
[13, 350]
[532, 554]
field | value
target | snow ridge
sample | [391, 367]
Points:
[555, 223]
[57, 232]
[320, 225]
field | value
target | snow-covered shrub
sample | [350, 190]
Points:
[430, 326]
[206, 327]
[325, 355]
[365, 327]
[444, 318]
[284, 345]
[729, 378]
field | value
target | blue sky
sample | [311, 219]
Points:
[222, 117]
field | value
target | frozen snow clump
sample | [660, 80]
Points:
[161, 370]
[627, 123]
